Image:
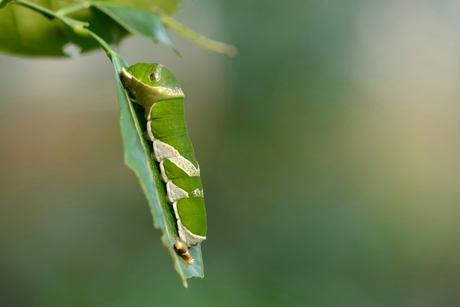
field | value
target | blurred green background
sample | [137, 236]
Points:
[329, 151]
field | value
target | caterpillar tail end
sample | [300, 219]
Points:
[182, 251]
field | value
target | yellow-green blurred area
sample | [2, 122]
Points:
[329, 150]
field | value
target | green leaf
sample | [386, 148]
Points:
[4, 2]
[137, 157]
[25, 32]
[136, 21]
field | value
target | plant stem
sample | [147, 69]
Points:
[197, 37]
[73, 8]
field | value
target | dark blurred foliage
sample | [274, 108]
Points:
[328, 148]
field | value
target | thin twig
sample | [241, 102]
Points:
[196, 37]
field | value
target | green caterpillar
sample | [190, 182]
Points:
[156, 89]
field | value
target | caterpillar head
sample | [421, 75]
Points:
[162, 83]
[151, 74]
